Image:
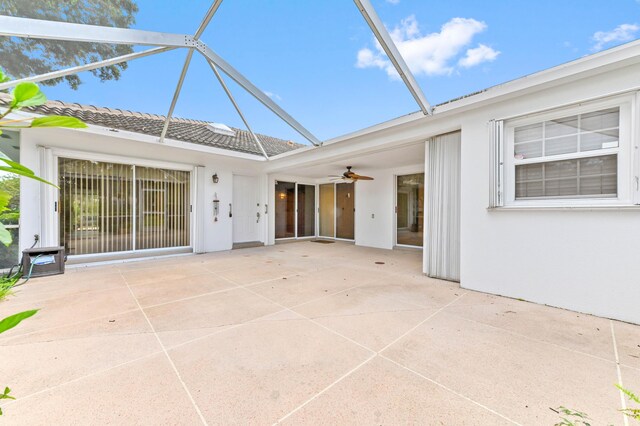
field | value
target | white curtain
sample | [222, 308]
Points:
[443, 207]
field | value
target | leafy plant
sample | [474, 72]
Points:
[5, 395]
[569, 417]
[25, 95]
[7, 324]
[11, 321]
[633, 413]
[6, 284]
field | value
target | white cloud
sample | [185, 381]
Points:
[478, 55]
[621, 33]
[430, 54]
[398, 1]
[273, 96]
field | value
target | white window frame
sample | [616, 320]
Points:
[625, 170]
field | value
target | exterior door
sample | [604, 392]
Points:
[306, 210]
[345, 211]
[285, 208]
[410, 210]
[327, 210]
[246, 209]
[112, 207]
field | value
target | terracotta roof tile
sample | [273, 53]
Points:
[186, 130]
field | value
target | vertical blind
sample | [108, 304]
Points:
[581, 136]
[496, 163]
[163, 208]
[110, 207]
[443, 207]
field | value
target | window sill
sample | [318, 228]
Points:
[542, 207]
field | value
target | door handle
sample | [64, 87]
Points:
[230, 211]
[257, 217]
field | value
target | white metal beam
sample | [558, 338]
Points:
[233, 101]
[385, 40]
[52, 30]
[85, 67]
[207, 18]
[257, 93]
[176, 94]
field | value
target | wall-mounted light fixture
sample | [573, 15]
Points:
[283, 195]
[215, 178]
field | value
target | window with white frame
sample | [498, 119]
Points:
[578, 155]
[593, 134]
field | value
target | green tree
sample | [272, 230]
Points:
[23, 57]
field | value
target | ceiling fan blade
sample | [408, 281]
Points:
[356, 176]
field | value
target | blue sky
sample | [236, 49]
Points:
[319, 61]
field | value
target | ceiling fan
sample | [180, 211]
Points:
[350, 176]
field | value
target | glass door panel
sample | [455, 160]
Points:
[410, 209]
[10, 183]
[327, 209]
[345, 210]
[162, 209]
[95, 206]
[285, 209]
[306, 210]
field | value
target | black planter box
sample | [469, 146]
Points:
[53, 255]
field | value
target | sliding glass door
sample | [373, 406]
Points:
[295, 207]
[10, 184]
[337, 210]
[410, 209]
[163, 208]
[285, 203]
[110, 207]
[306, 210]
[345, 211]
[327, 209]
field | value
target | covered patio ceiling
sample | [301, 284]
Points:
[390, 158]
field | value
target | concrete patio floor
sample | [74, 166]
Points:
[301, 333]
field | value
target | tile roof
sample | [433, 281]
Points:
[182, 129]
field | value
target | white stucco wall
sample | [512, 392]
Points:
[377, 198]
[580, 259]
[216, 235]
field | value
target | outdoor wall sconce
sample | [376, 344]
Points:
[215, 178]
[216, 207]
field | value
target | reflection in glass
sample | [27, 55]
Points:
[95, 206]
[306, 210]
[285, 209]
[327, 199]
[345, 210]
[410, 209]
[162, 208]
[9, 183]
